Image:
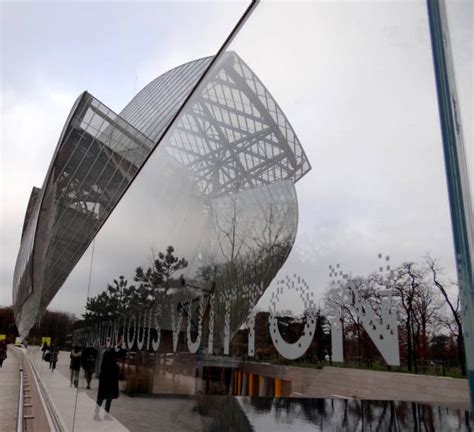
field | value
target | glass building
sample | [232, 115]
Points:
[232, 158]
[234, 243]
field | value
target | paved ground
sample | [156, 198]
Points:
[127, 413]
[76, 409]
[9, 388]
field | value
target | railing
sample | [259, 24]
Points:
[19, 417]
[24, 400]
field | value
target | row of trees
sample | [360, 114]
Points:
[152, 286]
[427, 307]
[291, 328]
[428, 310]
[54, 324]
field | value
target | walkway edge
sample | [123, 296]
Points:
[54, 419]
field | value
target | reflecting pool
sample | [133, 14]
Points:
[306, 414]
[208, 413]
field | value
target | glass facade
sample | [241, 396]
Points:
[257, 256]
[97, 157]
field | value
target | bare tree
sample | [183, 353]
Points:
[406, 281]
[420, 304]
[455, 309]
[275, 235]
[228, 220]
[339, 303]
[426, 307]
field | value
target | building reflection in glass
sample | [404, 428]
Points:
[220, 183]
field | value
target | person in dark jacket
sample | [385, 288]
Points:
[108, 380]
[88, 359]
[75, 365]
[3, 352]
[45, 349]
[53, 357]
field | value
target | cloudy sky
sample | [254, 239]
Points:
[53, 51]
[354, 78]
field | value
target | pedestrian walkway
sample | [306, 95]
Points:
[144, 414]
[76, 409]
[10, 387]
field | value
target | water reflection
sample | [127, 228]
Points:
[335, 414]
[244, 414]
[135, 410]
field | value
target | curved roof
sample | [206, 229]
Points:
[231, 136]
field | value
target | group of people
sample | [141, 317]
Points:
[86, 358]
[50, 355]
[79, 357]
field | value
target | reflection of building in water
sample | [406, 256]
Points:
[230, 151]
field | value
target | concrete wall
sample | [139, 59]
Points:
[366, 384]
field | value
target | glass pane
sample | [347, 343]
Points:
[282, 256]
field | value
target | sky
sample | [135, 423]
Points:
[354, 79]
[53, 51]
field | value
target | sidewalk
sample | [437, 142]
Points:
[10, 386]
[75, 408]
[127, 413]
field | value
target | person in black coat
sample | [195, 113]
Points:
[45, 349]
[3, 352]
[75, 365]
[108, 379]
[88, 359]
[53, 357]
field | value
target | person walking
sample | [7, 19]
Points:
[53, 357]
[75, 365]
[3, 352]
[45, 349]
[108, 380]
[88, 360]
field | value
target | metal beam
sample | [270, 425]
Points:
[456, 173]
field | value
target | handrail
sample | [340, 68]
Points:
[54, 419]
[20, 413]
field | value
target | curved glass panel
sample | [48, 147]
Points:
[282, 256]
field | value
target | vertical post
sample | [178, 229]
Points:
[244, 384]
[250, 384]
[456, 173]
[239, 384]
[278, 388]
[262, 386]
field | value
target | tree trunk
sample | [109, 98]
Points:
[461, 356]
[359, 345]
[409, 348]
[414, 346]
[424, 341]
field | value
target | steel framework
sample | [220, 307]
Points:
[231, 137]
